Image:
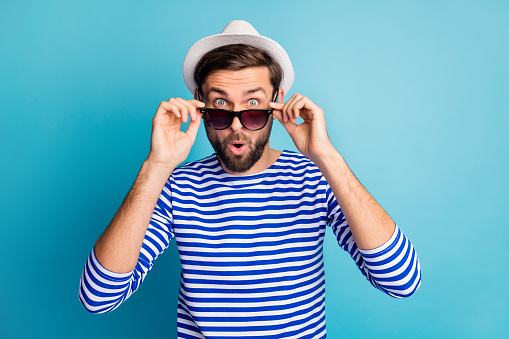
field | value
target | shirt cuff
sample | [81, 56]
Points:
[105, 273]
[386, 247]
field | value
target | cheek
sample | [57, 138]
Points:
[219, 135]
[212, 134]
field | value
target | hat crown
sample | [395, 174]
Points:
[240, 27]
[237, 32]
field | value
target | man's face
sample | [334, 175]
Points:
[238, 148]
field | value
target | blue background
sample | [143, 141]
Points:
[416, 97]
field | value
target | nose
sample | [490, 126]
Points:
[236, 125]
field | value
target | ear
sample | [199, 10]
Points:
[196, 95]
[281, 95]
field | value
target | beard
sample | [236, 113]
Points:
[243, 162]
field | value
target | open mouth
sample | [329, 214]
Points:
[237, 147]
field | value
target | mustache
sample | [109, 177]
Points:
[237, 136]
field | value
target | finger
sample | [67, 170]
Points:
[277, 114]
[166, 116]
[170, 107]
[190, 108]
[164, 109]
[181, 108]
[288, 110]
[197, 103]
[288, 125]
[284, 109]
[175, 110]
[299, 104]
[276, 105]
[193, 127]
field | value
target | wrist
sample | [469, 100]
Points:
[152, 165]
[333, 166]
[324, 155]
[166, 161]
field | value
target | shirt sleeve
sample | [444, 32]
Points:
[392, 267]
[102, 290]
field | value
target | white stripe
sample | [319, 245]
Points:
[248, 231]
[253, 295]
[253, 248]
[254, 303]
[236, 259]
[204, 199]
[248, 277]
[257, 285]
[191, 203]
[301, 221]
[266, 332]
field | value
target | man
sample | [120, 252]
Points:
[249, 221]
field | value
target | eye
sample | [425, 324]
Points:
[220, 102]
[252, 102]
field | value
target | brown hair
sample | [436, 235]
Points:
[236, 57]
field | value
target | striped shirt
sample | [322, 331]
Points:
[251, 252]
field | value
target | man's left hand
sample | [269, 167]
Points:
[310, 136]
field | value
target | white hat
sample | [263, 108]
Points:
[237, 32]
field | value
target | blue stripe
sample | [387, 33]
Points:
[198, 204]
[242, 226]
[182, 243]
[247, 264]
[252, 281]
[251, 254]
[281, 288]
[241, 218]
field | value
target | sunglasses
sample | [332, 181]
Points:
[251, 119]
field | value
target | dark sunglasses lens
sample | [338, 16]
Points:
[254, 119]
[218, 119]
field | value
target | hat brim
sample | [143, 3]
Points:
[201, 47]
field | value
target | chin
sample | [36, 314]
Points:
[243, 162]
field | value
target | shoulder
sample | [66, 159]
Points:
[297, 161]
[199, 168]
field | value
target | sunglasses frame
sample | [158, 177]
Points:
[237, 114]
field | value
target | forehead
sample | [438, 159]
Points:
[238, 82]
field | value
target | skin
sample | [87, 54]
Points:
[236, 91]
[118, 247]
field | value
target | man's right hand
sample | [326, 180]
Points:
[169, 145]
[118, 248]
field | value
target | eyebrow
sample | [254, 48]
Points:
[254, 90]
[247, 93]
[218, 90]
